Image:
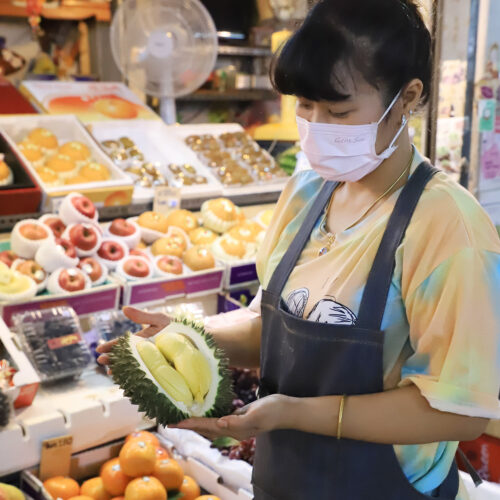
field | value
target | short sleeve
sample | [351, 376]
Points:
[454, 317]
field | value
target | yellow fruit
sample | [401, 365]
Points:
[94, 488]
[169, 473]
[9, 492]
[189, 488]
[169, 379]
[62, 487]
[113, 478]
[145, 488]
[137, 458]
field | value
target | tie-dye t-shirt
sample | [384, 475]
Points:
[442, 319]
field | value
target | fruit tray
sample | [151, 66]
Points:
[257, 185]
[149, 143]
[156, 290]
[115, 191]
[26, 380]
[85, 302]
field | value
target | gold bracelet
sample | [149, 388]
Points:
[341, 414]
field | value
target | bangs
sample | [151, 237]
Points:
[314, 63]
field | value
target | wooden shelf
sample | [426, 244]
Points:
[230, 95]
[68, 10]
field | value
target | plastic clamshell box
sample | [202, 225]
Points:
[26, 380]
[24, 195]
[113, 192]
[88, 463]
[156, 290]
[90, 101]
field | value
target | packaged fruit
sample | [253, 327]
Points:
[85, 237]
[55, 254]
[111, 252]
[15, 286]
[95, 270]
[178, 373]
[126, 230]
[33, 270]
[68, 281]
[52, 339]
[133, 268]
[28, 236]
[77, 208]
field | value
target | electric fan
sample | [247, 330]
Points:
[165, 48]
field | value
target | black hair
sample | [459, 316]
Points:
[386, 41]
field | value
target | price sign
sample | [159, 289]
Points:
[166, 199]
[56, 457]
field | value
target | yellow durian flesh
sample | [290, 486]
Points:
[168, 378]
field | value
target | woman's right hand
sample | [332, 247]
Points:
[154, 323]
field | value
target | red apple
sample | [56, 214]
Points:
[33, 231]
[83, 236]
[84, 206]
[110, 250]
[8, 257]
[67, 247]
[139, 253]
[56, 225]
[91, 267]
[169, 264]
[71, 280]
[136, 267]
[121, 227]
[33, 270]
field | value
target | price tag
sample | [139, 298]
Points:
[56, 457]
[166, 199]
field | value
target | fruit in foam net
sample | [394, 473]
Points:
[55, 254]
[14, 285]
[68, 280]
[95, 172]
[94, 270]
[77, 151]
[8, 257]
[32, 153]
[182, 374]
[113, 478]
[133, 268]
[167, 246]
[77, 208]
[9, 492]
[43, 138]
[85, 237]
[169, 473]
[94, 488]
[28, 236]
[48, 176]
[62, 165]
[55, 224]
[33, 270]
[169, 264]
[126, 230]
[183, 219]
[111, 252]
[199, 258]
[220, 214]
[62, 487]
[154, 221]
[202, 236]
[137, 458]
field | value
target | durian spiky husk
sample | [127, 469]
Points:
[131, 374]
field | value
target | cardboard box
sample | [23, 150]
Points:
[24, 195]
[26, 380]
[116, 191]
[90, 101]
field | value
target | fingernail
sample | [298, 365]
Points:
[222, 423]
[98, 348]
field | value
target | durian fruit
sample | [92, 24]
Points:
[177, 374]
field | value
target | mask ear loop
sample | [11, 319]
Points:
[398, 95]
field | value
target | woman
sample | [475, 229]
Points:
[378, 338]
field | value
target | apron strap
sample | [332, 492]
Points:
[374, 300]
[288, 261]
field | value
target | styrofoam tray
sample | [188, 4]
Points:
[159, 145]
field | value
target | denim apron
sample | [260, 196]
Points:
[302, 358]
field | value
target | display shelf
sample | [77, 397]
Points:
[92, 410]
[67, 10]
[234, 50]
[230, 95]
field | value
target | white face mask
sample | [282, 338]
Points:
[344, 153]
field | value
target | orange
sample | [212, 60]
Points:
[162, 453]
[145, 436]
[145, 488]
[113, 478]
[207, 497]
[118, 498]
[115, 107]
[138, 458]
[62, 487]
[169, 472]
[189, 488]
[94, 488]
[81, 497]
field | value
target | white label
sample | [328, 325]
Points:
[166, 199]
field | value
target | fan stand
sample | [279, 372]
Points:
[168, 110]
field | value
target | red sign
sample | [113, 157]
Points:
[58, 342]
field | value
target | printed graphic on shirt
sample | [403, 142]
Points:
[327, 310]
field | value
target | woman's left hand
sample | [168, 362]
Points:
[266, 414]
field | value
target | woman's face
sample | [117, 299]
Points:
[365, 105]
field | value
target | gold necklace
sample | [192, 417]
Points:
[331, 237]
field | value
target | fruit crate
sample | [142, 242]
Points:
[156, 290]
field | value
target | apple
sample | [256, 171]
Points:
[66, 247]
[71, 280]
[8, 257]
[136, 267]
[111, 250]
[33, 270]
[83, 236]
[33, 231]
[92, 268]
[84, 206]
[121, 227]
[56, 225]
[139, 253]
[169, 264]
